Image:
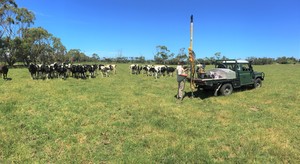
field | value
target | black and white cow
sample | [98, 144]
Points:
[95, 67]
[81, 70]
[4, 71]
[32, 68]
[157, 70]
[61, 70]
[74, 72]
[52, 71]
[104, 69]
[112, 67]
[42, 71]
[170, 70]
[134, 69]
[91, 69]
[146, 69]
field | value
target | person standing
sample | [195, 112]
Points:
[181, 78]
[202, 71]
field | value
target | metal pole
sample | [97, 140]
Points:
[192, 56]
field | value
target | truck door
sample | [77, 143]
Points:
[245, 74]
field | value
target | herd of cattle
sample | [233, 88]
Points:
[64, 70]
[152, 70]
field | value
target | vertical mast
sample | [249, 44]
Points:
[191, 32]
[192, 56]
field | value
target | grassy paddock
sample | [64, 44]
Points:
[135, 119]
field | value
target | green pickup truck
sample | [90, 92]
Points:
[228, 75]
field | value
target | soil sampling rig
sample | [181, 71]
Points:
[227, 75]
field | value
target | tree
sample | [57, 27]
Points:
[140, 59]
[282, 60]
[7, 12]
[95, 57]
[217, 55]
[39, 40]
[73, 55]
[13, 22]
[162, 54]
[58, 50]
[181, 56]
[286, 60]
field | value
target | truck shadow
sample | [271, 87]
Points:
[204, 94]
[199, 94]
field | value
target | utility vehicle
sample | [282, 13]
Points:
[228, 75]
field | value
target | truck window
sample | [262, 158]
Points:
[245, 67]
[231, 67]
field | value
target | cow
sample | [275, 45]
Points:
[81, 69]
[39, 71]
[95, 67]
[77, 71]
[4, 71]
[42, 71]
[170, 70]
[61, 71]
[112, 67]
[157, 70]
[32, 68]
[134, 69]
[69, 69]
[74, 72]
[104, 70]
[146, 69]
[52, 71]
[91, 69]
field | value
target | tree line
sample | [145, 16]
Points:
[164, 56]
[19, 42]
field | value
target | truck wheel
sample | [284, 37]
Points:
[226, 89]
[257, 83]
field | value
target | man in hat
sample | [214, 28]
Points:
[181, 78]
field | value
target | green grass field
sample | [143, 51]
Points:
[136, 119]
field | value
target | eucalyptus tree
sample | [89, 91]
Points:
[162, 54]
[75, 55]
[13, 22]
[38, 41]
[181, 56]
[95, 57]
[58, 50]
[7, 10]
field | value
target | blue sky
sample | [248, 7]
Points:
[133, 28]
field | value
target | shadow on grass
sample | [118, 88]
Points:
[198, 94]
[204, 94]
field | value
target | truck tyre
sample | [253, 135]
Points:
[226, 89]
[257, 83]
